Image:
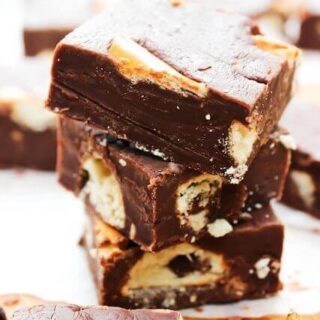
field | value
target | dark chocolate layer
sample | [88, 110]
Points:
[309, 19]
[158, 203]
[38, 41]
[250, 267]
[238, 78]
[73, 312]
[25, 148]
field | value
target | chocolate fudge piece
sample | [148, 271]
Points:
[302, 189]
[303, 24]
[153, 74]
[38, 41]
[27, 129]
[48, 21]
[73, 312]
[244, 264]
[157, 203]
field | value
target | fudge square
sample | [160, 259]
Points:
[244, 264]
[302, 190]
[157, 203]
[27, 129]
[193, 85]
[303, 22]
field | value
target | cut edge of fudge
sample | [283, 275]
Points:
[157, 203]
[187, 275]
[138, 60]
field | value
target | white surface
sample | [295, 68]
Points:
[40, 228]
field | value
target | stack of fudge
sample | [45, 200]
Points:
[168, 132]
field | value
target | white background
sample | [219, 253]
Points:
[41, 224]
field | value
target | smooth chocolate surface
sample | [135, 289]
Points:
[171, 88]
[244, 264]
[27, 129]
[73, 312]
[157, 203]
[302, 189]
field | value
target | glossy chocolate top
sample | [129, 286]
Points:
[73, 312]
[212, 47]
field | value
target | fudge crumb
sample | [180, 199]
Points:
[258, 206]
[103, 142]
[123, 162]
[133, 231]
[219, 228]
[262, 268]
[237, 173]
[155, 152]
[169, 302]
[288, 141]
